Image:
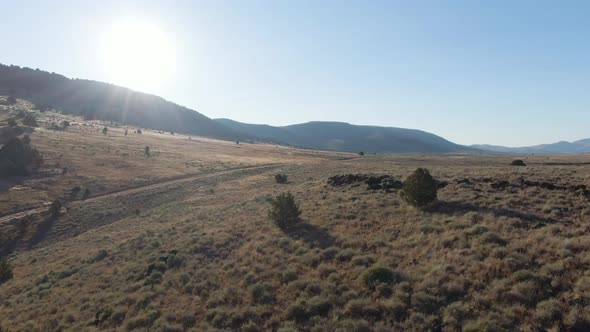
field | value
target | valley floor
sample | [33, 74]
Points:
[181, 240]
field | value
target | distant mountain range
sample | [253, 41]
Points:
[581, 146]
[102, 101]
[339, 136]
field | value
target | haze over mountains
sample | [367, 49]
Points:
[580, 146]
[102, 101]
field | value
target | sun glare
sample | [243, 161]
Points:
[138, 55]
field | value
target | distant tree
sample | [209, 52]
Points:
[29, 120]
[64, 124]
[5, 271]
[11, 100]
[284, 211]
[11, 122]
[146, 151]
[172, 133]
[517, 162]
[105, 130]
[237, 142]
[281, 178]
[139, 131]
[420, 188]
[55, 208]
[361, 153]
[18, 157]
[125, 131]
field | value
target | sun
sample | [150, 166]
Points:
[138, 55]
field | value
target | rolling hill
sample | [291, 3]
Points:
[580, 146]
[102, 101]
[339, 136]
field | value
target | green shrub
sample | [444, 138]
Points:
[55, 208]
[29, 120]
[281, 178]
[18, 157]
[362, 153]
[284, 211]
[262, 294]
[419, 189]
[517, 162]
[105, 130]
[5, 271]
[377, 275]
[11, 122]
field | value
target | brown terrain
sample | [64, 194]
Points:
[181, 240]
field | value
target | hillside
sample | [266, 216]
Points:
[580, 146]
[102, 101]
[339, 136]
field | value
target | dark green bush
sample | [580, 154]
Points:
[11, 122]
[419, 189]
[55, 208]
[29, 120]
[281, 178]
[361, 153]
[5, 271]
[284, 211]
[262, 293]
[18, 158]
[517, 162]
[377, 275]
[105, 130]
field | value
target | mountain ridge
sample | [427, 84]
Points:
[578, 146]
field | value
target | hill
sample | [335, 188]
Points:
[339, 136]
[580, 146]
[102, 101]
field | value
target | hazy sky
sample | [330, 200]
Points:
[498, 72]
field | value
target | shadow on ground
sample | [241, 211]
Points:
[530, 220]
[313, 235]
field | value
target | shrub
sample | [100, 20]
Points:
[17, 158]
[5, 271]
[146, 151]
[262, 294]
[11, 122]
[139, 131]
[517, 162]
[361, 153]
[281, 178]
[377, 275]
[419, 189]
[284, 211]
[55, 208]
[105, 130]
[64, 124]
[11, 100]
[30, 121]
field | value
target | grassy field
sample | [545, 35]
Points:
[181, 241]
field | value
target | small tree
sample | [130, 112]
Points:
[517, 162]
[55, 208]
[419, 189]
[362, 153]
[11, 100]
[5, 271]
[125, 131]
[29, 120]
[146, 151]
[281, 178]
[284, 211]
[139, 131]
[105, 130]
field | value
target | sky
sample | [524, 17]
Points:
[510, 73]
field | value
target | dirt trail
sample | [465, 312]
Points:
[127, 191]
